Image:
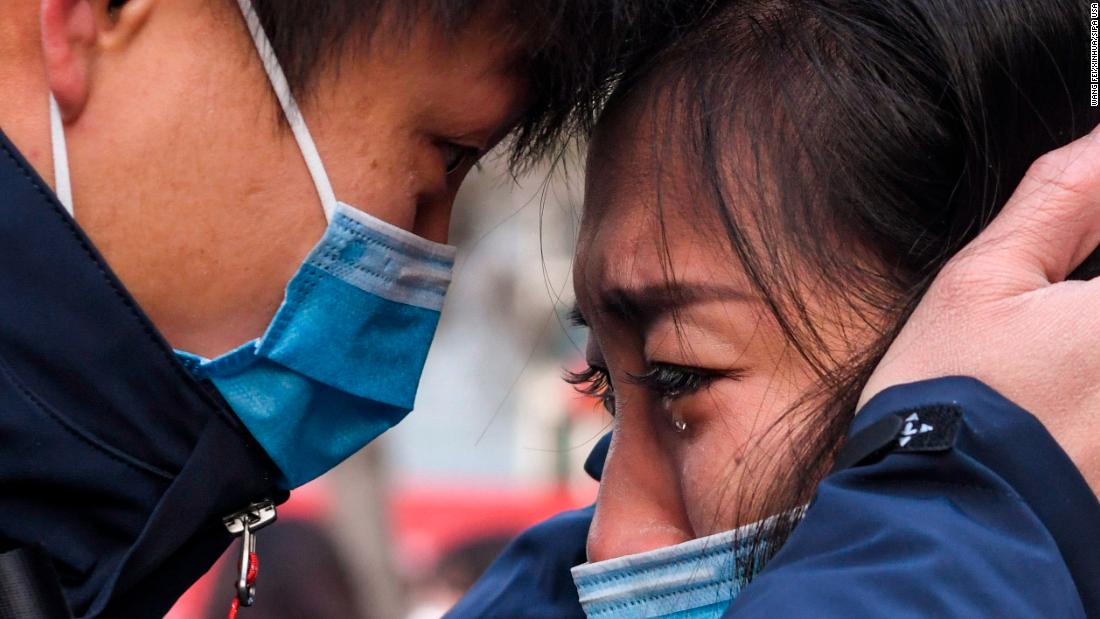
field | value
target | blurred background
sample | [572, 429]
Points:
[496, 442]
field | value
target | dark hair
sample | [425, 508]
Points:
[574, 50]
[872, 139]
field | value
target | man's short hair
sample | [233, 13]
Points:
[573, 50]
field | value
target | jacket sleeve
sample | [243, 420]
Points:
[948, 501]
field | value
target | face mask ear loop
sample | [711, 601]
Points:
[290, 109]
[62, 184]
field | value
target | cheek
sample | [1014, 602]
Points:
[728, 463]
[382, 169]
[393, 185]
[706, 474]
[386, 184]
[711, 458]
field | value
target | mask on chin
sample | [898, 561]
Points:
[341, 360]
[697, 579]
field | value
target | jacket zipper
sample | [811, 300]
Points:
[244, 524]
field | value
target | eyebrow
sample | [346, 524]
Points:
[646, 304]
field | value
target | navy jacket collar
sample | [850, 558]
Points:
[84, 372]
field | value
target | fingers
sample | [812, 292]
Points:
[1052, 222]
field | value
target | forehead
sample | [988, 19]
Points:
[483, 47]
[428, 76]
[645, 219]
[481, 64]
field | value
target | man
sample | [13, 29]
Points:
[210, 324]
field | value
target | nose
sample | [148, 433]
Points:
[640, 505]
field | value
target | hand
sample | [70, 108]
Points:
[1002, 310]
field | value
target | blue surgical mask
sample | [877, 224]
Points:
[341, 360]
[698, 579]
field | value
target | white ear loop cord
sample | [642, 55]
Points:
[290, 109]
[62, 184]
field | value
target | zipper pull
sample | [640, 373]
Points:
[244, 524]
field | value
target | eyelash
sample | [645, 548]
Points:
[594, 381]
[667, 381]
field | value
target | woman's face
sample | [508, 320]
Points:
[701, 372]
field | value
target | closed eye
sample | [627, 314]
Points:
[457, 156]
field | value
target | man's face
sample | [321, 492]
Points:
[199, 199]
[404, 123]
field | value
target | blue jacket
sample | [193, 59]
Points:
[112, 458]
[979, 515]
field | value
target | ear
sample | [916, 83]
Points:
[68, 47]
[74, 33]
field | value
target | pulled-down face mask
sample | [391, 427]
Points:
[341, 360]
[697, 579]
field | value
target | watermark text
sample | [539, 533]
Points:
[1094, 54]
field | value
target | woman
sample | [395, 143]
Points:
[767, 202]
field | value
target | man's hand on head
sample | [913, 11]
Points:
[1004, 312]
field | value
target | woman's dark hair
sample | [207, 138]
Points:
[573, 50]
[872, 139]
